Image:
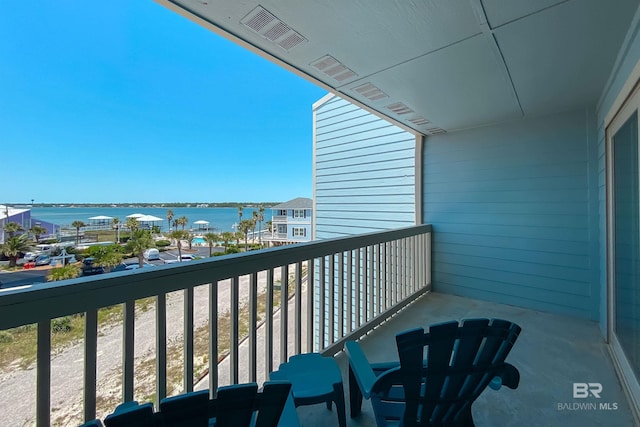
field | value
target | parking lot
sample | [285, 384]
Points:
[39, 274]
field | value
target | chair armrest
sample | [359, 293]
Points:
[510, 377]
[360, 367]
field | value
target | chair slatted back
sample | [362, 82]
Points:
[438, 388]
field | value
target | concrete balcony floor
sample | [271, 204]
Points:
[552, 352]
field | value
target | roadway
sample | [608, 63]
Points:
[39, 275]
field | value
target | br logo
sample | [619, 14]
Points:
[584, 390]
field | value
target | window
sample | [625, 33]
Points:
[299, 213]
[281, 212]
[297, 231]
[282, 229]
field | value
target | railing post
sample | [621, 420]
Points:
[188, 341]
[90, 363]
[128, 350]
[298, 309]
[213, 339]
[43, 374]
[268, 327]
[310, 297]
[253, 316]
[284, 312]
[234, 332]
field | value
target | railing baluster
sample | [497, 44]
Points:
[234, 332]
[428, 239]
[332, 290]
[298, 309]
[358, 278]
[268, 330]
[90, 362]
[188, 341]
[349, 291]
[372, 280]
[310, 295]
[383, 280]
[378, 309]
[253, 320]
[161, 347]
[323, 303]
[213, 339]
[341, 302]
[367, 269]
[128, 350]
[284, 312]
[43, 374]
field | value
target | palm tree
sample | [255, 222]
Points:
[115, 223]
[12, 228]
[183, 221]
[244, 227]
[179, 235]
[254, 219]
[78, 225]
[238, 235]
[132, 224]
[13, 246]
[239, 215]
[211, 239]
[169, 217]
[106, 256]
[69, 271]
[226, 237]
[38, 231]
[260, 219]
[140, 241]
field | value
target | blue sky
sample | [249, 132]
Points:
[124, 101]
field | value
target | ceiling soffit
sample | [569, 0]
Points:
[435, 65]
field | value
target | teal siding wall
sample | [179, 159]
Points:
[627, 60]
[364, 172]
[514, 209]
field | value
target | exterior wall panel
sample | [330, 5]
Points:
[364, 178]
[513, 213]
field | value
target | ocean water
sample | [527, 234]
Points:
[220, 219]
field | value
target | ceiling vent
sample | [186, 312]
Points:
[419, 120]
[333, 68]
[370, 91]
[399, 108]
[436, 130]
[265, 24]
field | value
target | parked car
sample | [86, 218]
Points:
[42, 259]
[151, 254]
[183, 258]
[31, 256]
[89, 268]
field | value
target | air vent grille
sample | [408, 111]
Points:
[435, 130]
[420, 121]
[399, 108]
[370, 91]
[333, 68]
[264, 23]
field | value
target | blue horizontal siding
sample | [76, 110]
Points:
[513, 210]
[364, 172]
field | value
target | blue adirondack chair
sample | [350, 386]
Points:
[439, 389]
[235, 405]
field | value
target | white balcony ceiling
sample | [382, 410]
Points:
[456, 63]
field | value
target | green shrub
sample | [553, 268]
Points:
[232, 250]
[6, 337]
[162, 243]
[61, 324]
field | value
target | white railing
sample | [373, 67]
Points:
[358, 283]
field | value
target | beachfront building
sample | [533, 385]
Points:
[23, 217]
[291, 222]
[525, 119]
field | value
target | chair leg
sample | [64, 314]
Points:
[328, 402]
[355, 396]
[338, 391]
